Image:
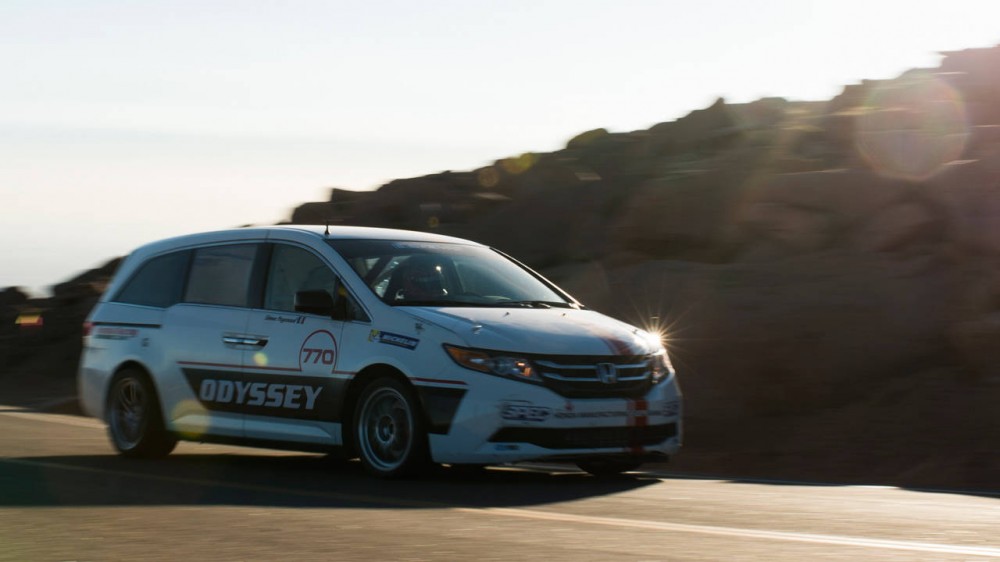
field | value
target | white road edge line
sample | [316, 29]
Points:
[64, 419]
[537, 515]
[526, 513]
[738, 532]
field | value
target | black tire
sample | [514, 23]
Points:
[134, 416]
[390, 434]
[608, 468]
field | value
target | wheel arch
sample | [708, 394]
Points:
[357, 385]
[144, 372]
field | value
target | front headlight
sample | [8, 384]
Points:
[493, 362]
[660, 366]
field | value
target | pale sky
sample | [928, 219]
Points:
[122, 122]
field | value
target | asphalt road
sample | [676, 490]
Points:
[65, 496]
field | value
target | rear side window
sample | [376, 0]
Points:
[157, 283]
[220, 275]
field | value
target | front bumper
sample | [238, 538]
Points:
[500, 420]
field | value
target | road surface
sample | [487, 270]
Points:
[65, 496]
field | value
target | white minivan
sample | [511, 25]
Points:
[399, 348]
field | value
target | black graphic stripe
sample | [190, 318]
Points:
[440, 405]
[279, 396]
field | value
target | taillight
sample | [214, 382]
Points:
[87, 326]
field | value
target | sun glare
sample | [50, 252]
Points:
[911, 128]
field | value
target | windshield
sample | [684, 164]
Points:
[443, 274]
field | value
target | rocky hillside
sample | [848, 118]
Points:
[827, 273]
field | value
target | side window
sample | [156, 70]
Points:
[221, 275]
[294, 269]
[158, 282]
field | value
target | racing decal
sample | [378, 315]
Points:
[592, 415]
[522, 410]
[637, 419]
[283, 396]
[668, 409]
[440, 404]
[285, 319]
[115, 333]
[319, 349]
[393, 339]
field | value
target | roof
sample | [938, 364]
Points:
[370, 233]
[266, 232]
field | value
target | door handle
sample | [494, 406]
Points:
[244, 340]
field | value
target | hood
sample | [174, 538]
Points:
[543, 331]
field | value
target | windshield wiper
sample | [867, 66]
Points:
[535, 304]
[501, 304]
[422, 303]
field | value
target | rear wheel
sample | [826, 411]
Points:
[389, 430]
[606, 468]
[135, 420]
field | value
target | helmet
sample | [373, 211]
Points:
[423, 279]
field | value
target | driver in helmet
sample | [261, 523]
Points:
[423, 280]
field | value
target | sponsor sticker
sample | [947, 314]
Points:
[667, 409]
[115, 333]
[285, 319]
[520, 410]
[390, 338]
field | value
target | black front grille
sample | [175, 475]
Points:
[580, 376]
[587, 437]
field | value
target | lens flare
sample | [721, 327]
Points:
[519, 164]
[488, 178]
[260, 359]
[657, 329]
[912, 127]
[186, 408]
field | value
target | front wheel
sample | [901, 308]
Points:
[607, 468]
[135, 420]
[389, 430]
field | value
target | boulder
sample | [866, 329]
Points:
[976, 344]
[12, 296]
[793, 228]
[896, 227]
[711, 128]
[683, 216]
[847, 195]
[790, 335]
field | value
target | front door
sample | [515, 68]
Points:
[292, 379]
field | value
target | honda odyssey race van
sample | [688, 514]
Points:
[399, 348]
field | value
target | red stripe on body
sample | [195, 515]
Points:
[439, 381]
[637, 418]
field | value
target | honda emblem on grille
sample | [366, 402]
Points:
[607, 373]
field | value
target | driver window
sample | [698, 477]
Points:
[294, 269]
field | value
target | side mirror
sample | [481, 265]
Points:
[314, 302]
